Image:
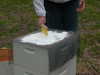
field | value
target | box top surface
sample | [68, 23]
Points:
[49, 41]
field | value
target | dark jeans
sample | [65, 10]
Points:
[62, 16]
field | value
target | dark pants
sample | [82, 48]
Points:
[62, 16]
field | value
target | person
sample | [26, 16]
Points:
[59, 14]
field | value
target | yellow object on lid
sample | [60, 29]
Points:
[44, 29]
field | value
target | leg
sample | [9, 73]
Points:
[53, 15]
[70, 16]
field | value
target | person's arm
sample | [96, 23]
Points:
[40, 10]
[81, 5]
[39, 7]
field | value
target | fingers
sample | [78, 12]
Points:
[44, 22]
[80, 8]
[81, 5]
[80, 2]
[41, 20]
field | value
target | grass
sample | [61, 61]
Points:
[18, 17]
[87, 60]
[2, 22]
[89, 22]
[89, 29]
[95, 50]
[87, 65]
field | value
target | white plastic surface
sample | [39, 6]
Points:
[6, 69]
[69, 68]
[25, 71]
[31, 57]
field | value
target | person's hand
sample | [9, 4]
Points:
[81, 5]
[41, 20]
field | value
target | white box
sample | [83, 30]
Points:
[69, 68]
[44, 58]
[6, 69]
[31, 57]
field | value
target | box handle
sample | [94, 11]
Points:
[64, 47]
[28, 73]
[30, 51]
[63, 71]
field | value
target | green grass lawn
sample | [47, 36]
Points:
[18, 17]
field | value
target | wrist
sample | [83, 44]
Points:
[41, 16]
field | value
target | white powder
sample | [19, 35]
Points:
[40, 39]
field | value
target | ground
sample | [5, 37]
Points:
[18, 17]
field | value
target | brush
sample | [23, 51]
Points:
[44, 29]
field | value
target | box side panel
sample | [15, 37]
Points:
[6, 69]
[62, 52]
[69, 68]
[25, 71]
[31, 57]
